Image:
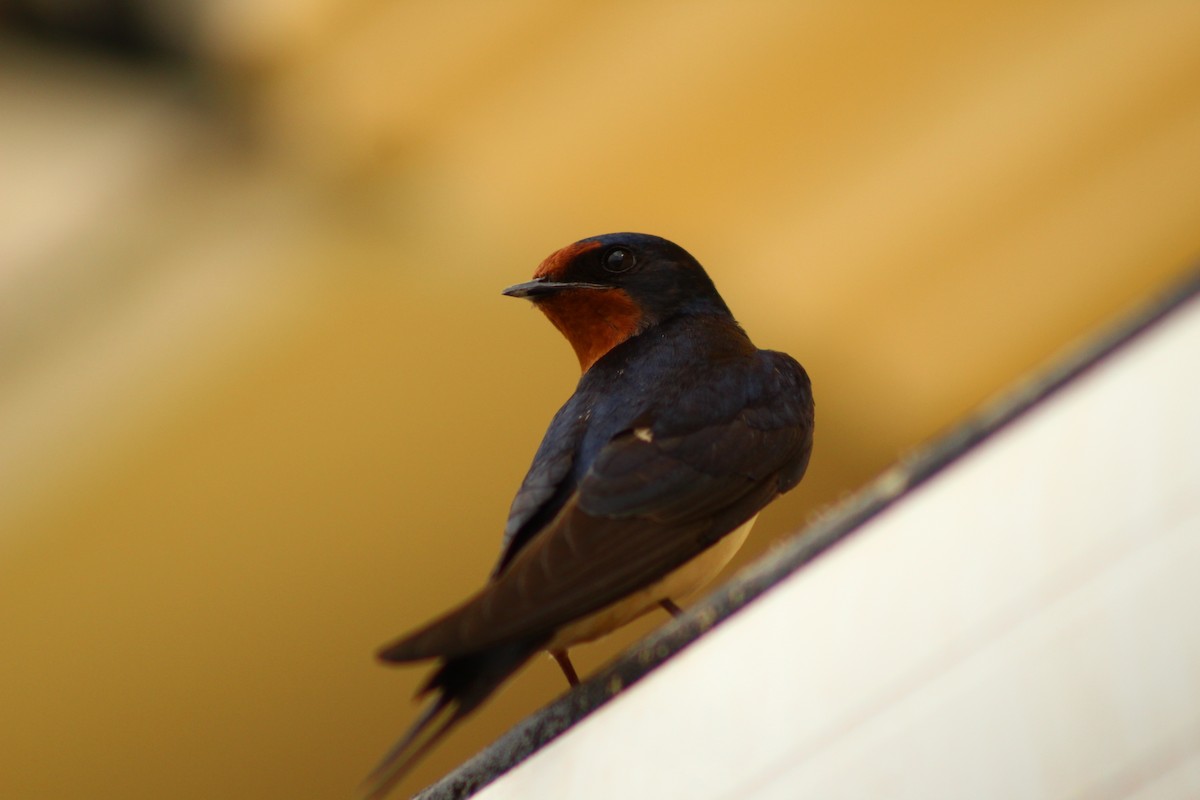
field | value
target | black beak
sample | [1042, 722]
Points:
[540, 287]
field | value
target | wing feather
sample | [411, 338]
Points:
[642, 509]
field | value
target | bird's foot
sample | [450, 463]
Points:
[564, 663]
[669, 606]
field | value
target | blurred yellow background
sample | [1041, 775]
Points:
[262, 406]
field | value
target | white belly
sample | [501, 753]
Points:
[677, 586]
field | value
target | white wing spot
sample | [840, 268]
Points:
[645, 434]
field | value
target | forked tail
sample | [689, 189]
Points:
[461, 683]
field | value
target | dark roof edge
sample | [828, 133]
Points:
[792, 554]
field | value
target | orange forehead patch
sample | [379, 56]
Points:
[556, 263]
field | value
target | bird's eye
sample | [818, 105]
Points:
[619, 260]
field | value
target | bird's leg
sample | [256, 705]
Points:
[669, 606]
[564, 663]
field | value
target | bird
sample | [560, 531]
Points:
[679, 431]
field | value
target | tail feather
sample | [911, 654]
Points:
[462, 684]
[427, 731]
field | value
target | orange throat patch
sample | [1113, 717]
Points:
[594, 321]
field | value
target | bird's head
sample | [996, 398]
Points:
[601, 291]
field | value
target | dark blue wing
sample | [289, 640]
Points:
[652, 499]
[548, 483]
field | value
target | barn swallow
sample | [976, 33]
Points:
[648, 479]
